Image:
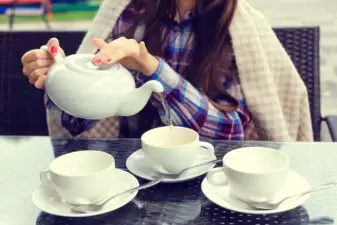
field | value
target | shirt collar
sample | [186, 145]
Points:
[186, 20]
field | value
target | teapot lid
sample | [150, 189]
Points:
[83, 63]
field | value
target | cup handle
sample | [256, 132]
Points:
[216, 182]
[207, 146]
[45, 179]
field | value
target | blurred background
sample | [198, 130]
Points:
[72, 15]
[61, 14]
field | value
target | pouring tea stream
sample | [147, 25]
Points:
[166, 109]
[87, 91]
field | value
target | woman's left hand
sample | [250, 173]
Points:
[128, 52]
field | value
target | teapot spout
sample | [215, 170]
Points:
[136, 100]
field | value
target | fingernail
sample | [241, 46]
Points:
[108, 60]
[94, 59]
[98, 61]
[53, 50]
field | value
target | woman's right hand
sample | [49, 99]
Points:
[37, 62]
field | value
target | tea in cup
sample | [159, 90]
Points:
[252, 174]
[173, 148]
[81, 177]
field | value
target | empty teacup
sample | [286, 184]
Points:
[81, 177]
[173, 148]
[252, 174]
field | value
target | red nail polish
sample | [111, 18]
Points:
[98, 62]
[53, 50]
[94, 59]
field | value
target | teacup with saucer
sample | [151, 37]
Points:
[169, 150]
[254, 174]
[82, 177]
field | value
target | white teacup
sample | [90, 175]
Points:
[173, 148]
[81, 177]
[252, 174]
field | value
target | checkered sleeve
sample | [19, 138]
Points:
[191, 108]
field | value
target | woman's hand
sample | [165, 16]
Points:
[37, 62]
[128, 52]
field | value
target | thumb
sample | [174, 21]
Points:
[54, 46]
[53, 42]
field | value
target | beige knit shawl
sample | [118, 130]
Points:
[275, 94]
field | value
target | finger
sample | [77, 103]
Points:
[40, 82]
[38, 64]
[37, 73]
[53, 42]
[143, 53]
[108, 50]
[99, 43]
[53, 46]
[31, 80]
[116, 57]
[104, 56]
[34, 55]
[25, 71]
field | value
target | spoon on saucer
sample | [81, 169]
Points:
[322, 220]
[177, 175]
[266, 205]
[94, 207]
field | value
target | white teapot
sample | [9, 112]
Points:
[87, 91]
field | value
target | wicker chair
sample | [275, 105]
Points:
[302, 45]
[21, 104]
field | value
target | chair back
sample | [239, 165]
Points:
[22, 110]
[302, 45]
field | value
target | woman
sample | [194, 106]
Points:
[225, 73]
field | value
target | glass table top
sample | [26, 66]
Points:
[22, 158]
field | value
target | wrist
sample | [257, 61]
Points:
[166, 76]
[152, 65]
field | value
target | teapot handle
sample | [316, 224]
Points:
[58, 58]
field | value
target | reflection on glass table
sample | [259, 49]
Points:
[22, 158]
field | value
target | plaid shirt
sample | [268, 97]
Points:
[188, 106]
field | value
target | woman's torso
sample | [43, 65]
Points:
[177, 52]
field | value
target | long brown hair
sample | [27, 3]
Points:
[212, 54]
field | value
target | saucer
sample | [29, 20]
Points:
[140, 165]
[294, 184]
[48, 201]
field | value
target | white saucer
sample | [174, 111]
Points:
[140, 165]
[48, 201]
[294, 184]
